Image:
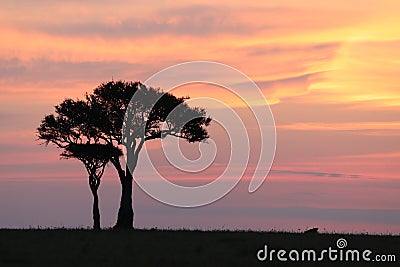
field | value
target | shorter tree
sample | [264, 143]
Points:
[73, 129]
[95, 158]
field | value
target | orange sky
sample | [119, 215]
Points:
[344, 51]
[330, 70]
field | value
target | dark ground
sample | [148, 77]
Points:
[175, 248]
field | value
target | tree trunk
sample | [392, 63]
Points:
[125, 212]
[96, 211]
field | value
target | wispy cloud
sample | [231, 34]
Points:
[344, 126]
[375, 156]
[20, 73]
[316, 174]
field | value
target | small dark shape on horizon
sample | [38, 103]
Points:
[312, 231]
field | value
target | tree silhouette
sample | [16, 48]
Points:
[92, 131]
[95, 158]
[73, 130]
[149, 117]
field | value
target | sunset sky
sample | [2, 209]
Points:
[330, 71]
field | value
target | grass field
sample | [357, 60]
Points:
[60, 247]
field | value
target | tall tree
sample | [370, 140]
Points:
[148, 119]
[73, 130]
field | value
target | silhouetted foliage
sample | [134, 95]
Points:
[82, 127]
[73, 130]
[149, 118]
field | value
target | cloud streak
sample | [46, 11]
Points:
[316, 174]
[342, 126]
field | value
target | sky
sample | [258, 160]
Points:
[329, 70]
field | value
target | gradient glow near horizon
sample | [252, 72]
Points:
[329, 70]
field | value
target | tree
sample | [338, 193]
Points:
[82, 127]
[148, 111]
[95, 158]
[73, 130]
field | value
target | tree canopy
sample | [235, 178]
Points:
[120, 114]
[73, 129]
